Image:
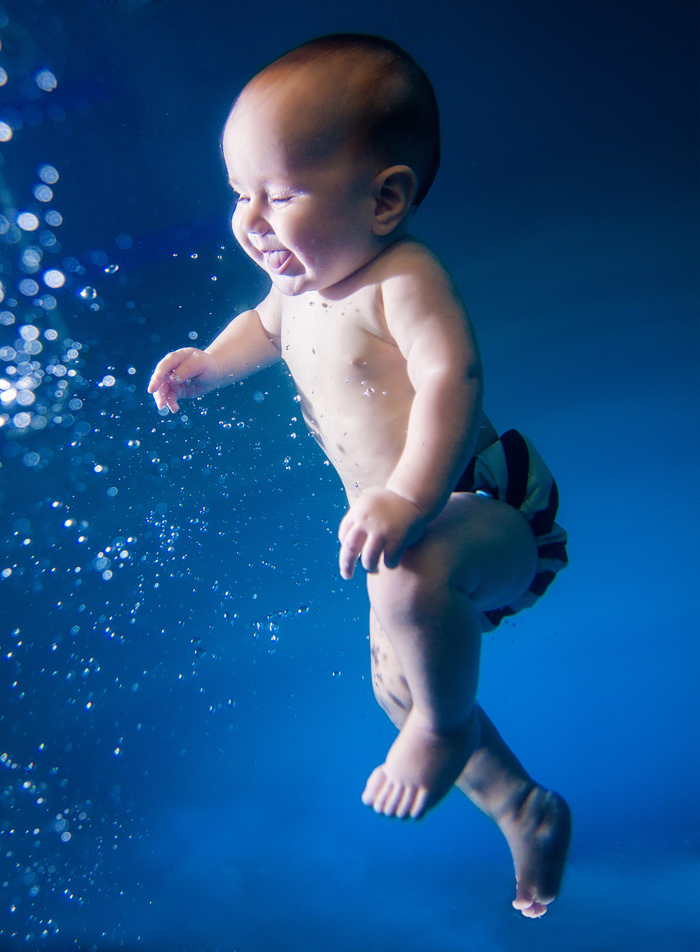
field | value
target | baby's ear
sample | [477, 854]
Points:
[394, 190]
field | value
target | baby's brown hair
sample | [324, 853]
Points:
[386, 102]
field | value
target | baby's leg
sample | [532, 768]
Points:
[535, 822]
[478, 554]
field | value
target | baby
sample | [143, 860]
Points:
[329, 150]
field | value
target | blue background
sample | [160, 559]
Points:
[202, 721]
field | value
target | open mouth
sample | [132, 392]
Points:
[277, 261]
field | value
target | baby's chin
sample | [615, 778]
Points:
[292, 285]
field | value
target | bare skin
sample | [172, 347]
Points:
[386, 364]
[535, 822]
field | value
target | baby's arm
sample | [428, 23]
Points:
[433, 332]
[245, 346]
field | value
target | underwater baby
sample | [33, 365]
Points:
[329, 150]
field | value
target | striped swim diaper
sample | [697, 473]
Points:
[513, 471]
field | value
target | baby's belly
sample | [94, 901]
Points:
[363, 446]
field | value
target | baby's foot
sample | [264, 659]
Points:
[420, 768]
[538, 833]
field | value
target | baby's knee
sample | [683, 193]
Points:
[413, 590]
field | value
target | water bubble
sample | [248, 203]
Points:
[31, 259]
[28, 287]
[54, 278]
[192, 335]
[108, 381]
[48, 174]
[29, 332]
[111, 268]
[27, 221]
[88, 293]
[43, 193]
[123, 241]
[3, 76]
[5, 132]
[54, 218]
[48, 239]
[45, 80]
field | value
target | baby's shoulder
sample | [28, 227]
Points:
[407, 254]
[411, 274]
[409, 263]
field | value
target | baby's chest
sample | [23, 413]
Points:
[329, 345]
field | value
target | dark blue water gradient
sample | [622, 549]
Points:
[186, 716]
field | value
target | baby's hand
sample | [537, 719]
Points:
[379, 523]
[184, 373]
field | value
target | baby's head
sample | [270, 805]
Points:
[361, 93]
[343, 113]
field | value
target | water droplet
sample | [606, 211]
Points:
[88, 294]
[48, 174]
[45, 80]
[54, 278]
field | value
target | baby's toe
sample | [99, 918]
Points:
[392, 800]
[403, 809]
[374, 784]
[420, 803]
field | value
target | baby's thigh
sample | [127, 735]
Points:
[480, 546]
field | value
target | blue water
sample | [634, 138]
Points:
[186, 717]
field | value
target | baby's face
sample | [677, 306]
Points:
[305, 219]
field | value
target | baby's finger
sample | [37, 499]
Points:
[171, 401]
[350, 551]
[163, 369]
[392, 554]
[346, 524]
[164, 397]
[371, 552]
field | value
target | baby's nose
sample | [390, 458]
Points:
[254, 221]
